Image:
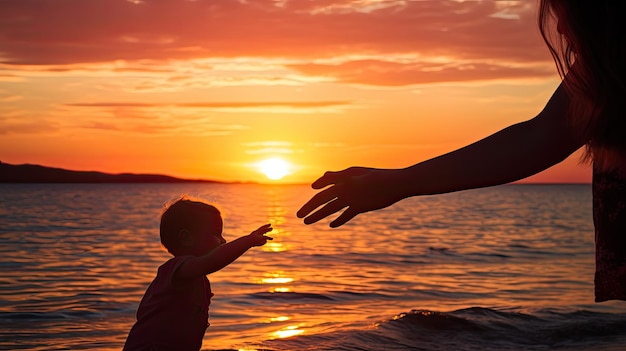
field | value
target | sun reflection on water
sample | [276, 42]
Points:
[281, 280]
[287, 332]
[277, 277]
[274, 247]
[279, 319]
[277, 213]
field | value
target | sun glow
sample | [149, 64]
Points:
[274, 168]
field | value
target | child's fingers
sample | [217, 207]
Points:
[261, 240]
[266, 228]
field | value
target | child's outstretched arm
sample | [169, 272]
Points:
[223, 255]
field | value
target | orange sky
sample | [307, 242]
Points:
[208, 88]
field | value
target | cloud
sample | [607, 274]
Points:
[24, 124]
[214, 105]
[37, 32]
[10, 98]
[4, 77]
[272, 143]
[386, 73]
[479, 39]
[320, 145]
[270, 151]
[127, 109]
[159, 126]
[269, 147]
[183, 117]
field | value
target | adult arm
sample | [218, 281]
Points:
[513, 153]
[222, 256]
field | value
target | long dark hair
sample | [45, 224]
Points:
[589, 49]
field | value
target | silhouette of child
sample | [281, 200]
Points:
[174, 311]
[587, 109]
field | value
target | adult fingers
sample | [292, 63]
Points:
[338, 177]
[327, 179]
[316, 201]
[344, 217]
[325, 211]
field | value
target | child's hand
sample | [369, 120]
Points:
[258, 237]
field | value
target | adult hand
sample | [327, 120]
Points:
[357, 189]
[258, 237]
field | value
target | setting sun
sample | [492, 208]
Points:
[274, 168]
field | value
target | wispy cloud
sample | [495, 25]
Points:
[69, 32]
[162, 127]
[276, 107]
[269, 148]
[25, 124]
[230, 104]
[386, 73]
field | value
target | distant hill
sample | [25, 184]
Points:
[28, 173]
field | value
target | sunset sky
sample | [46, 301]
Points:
[210, 88]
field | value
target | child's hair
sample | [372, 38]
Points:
[592, 36]
[183, 213]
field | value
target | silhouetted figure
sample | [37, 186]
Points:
[587, 41]
[174, 312]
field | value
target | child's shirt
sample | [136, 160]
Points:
[171, 316]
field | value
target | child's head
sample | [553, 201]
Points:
[190, 226]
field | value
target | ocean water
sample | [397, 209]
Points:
[503, 268]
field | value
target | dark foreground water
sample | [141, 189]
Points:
[505, 268]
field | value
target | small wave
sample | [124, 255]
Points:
[505, 330]
[490, 255]
[8, 317]
[354, 295]
[443, 250]
[289, 296]
[25, 316]
[425, 319]
[475, 329]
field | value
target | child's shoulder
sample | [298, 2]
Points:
[173, 263]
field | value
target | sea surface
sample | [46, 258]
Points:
[503, 268]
